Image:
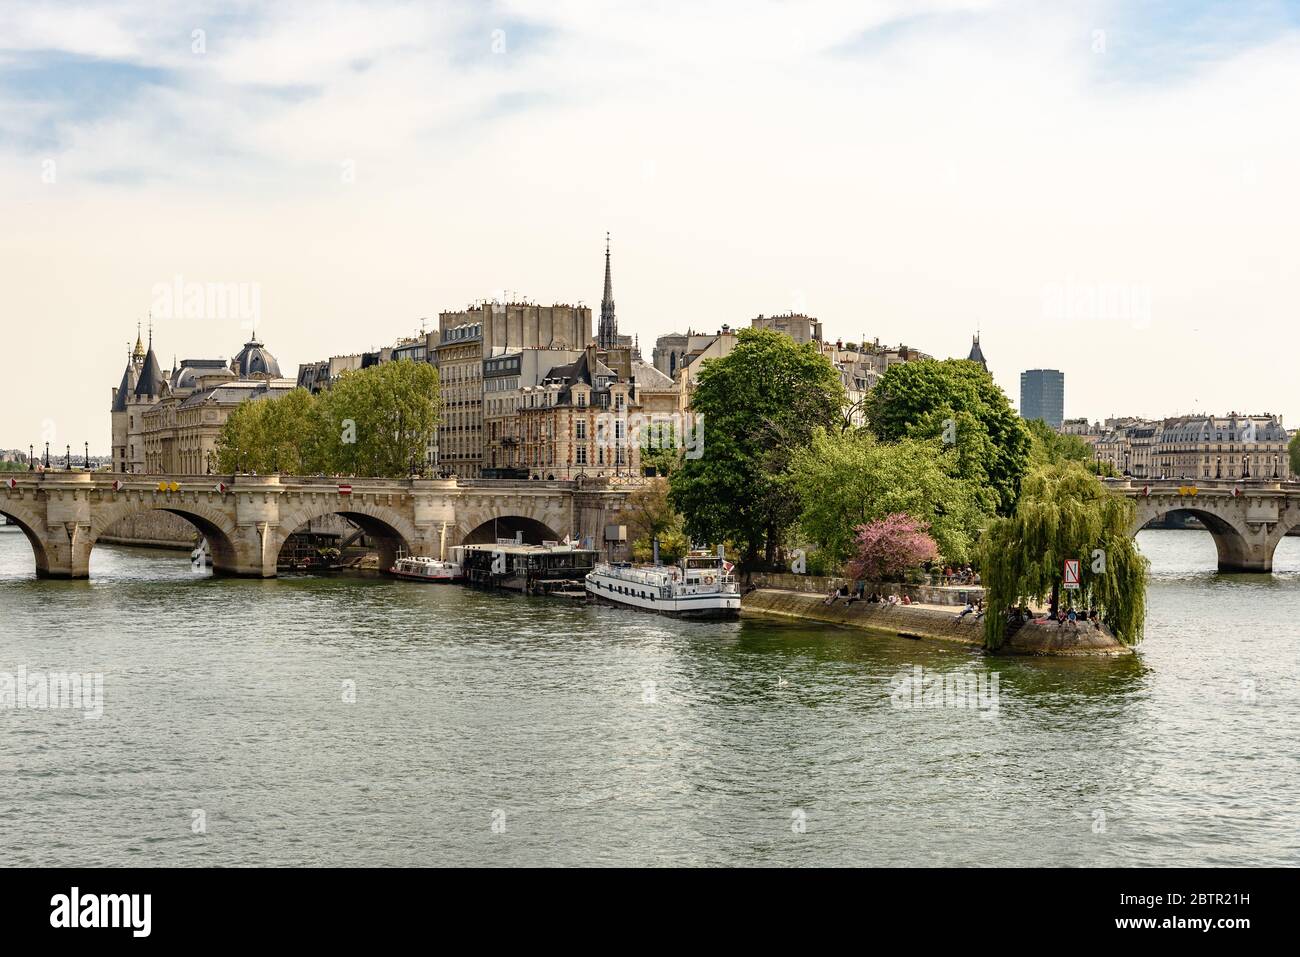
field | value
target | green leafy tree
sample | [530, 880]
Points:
[243, 443]
[760, 404]
[1064, 512]
[1293, 451]
[374, 422]
[379, 421]
[851, 479]
[1050, 447]
[650, 515]
[272, 435]
[956, 401]
[659, 449]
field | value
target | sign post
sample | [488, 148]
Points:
[1071, 573]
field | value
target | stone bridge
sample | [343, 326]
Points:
[247, 518]
[1247, 518]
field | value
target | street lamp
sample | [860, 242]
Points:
[87, 456]
[47, 455]
[31, 458]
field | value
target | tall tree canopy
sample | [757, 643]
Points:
[374, 422]
[272, 435]
[649, 516]
[1049, 447]
[380, 420]
[956, 401]
[847, 479]
[1293, 451]
[760, 404]
[1064, 512]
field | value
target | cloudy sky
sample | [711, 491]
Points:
[1109, 189]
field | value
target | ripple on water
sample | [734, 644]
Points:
[330, 721]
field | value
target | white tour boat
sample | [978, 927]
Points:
[699, 586]
[421, 569]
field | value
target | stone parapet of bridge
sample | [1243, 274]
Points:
[246, 519]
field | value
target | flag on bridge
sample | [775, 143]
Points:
[222, 487]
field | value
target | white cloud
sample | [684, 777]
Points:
[906, 184]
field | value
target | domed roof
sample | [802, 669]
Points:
[254, 360]
[186, 375]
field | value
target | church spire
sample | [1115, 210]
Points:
[138, 354]
[607, 332]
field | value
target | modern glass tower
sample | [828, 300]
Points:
[1042, 396]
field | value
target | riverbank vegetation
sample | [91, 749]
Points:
[760, 404]
[1064, 512]
[378, 422]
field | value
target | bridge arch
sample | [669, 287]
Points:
[215, 525]
[386, 527]
[1239, 548]
[488, 530]
[31, 524]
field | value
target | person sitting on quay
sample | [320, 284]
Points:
[966, 611]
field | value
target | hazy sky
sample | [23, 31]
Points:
[1104, 188]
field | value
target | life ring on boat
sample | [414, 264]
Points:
[708, 579]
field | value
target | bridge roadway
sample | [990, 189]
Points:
[247, 518]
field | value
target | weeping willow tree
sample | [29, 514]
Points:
[1064, 512]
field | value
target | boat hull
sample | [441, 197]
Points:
[715, 606]
[695, 614]
[427, 579]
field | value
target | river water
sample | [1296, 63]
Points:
[347, 721]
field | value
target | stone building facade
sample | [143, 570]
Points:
[1233, 448]
[581, 420]
[170, 423]
[465, 341]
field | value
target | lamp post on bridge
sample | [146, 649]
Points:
[31, 458]
[87, 456]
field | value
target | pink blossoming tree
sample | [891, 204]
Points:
[891, 545]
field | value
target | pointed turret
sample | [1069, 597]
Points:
[151, 376]
[138, 355]
[127, 385]
[607, 331]
[976, 353]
